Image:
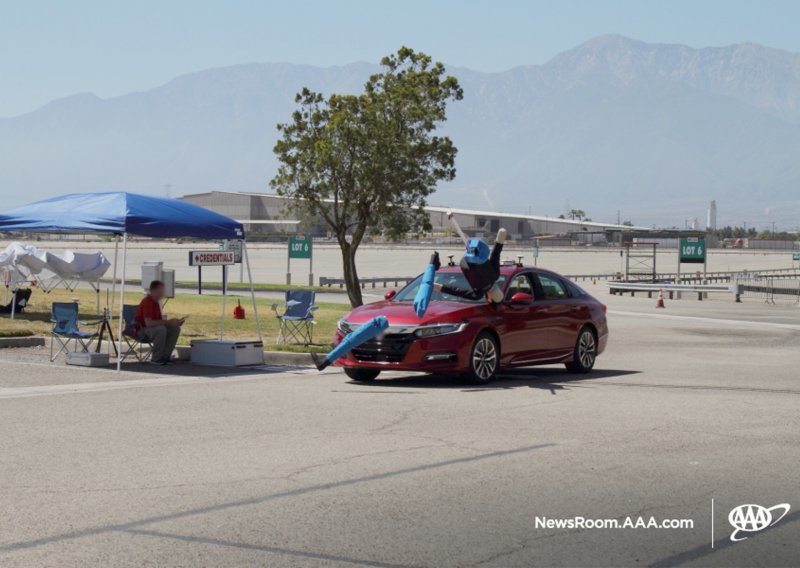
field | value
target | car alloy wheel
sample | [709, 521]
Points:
[585, 353]
[484, 358]
[587, 349]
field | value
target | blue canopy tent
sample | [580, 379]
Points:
[122, 214]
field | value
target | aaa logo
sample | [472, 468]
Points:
[754, 518]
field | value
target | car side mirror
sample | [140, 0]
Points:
[389, 295]
[521, 298]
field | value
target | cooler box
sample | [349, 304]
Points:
[87, 359]
[227, 352]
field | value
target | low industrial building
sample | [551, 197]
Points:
[268, 215]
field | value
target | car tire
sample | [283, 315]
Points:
[484, 359]
[362, 375]
[585, 353]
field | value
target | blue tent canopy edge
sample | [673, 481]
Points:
[120, 213]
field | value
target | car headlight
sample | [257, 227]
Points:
[344, 327]
[439, 329]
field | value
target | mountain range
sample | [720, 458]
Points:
[615, 126]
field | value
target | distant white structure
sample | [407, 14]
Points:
[711, 218]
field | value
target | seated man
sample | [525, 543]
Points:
[152, 327]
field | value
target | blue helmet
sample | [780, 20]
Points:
[477, 252]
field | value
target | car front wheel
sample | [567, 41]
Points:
[585, 353]
[362, 375]
[484, 359]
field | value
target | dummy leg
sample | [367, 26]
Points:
[495, 294]
[423, 297]
[364, 333]
[498, 248]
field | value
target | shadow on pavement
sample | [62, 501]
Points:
[551, 379]
[186, 369]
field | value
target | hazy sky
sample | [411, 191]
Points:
[57, 48]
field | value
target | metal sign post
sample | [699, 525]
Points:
[201, 258]
[236, 247]
[300, 247]
[223, 258]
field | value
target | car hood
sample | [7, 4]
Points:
[402, 313]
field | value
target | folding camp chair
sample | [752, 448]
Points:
[297, 318]
[65, 330]
[133, 344]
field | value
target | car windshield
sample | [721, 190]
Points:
[451, 279]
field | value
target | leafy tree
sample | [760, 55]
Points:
[369, 161]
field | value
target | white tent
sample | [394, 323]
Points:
[23, 263]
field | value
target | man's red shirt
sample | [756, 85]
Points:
[148, 308]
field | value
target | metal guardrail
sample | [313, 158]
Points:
[771, 290]
[702, 290]
[721, 276]
[384, 280]
[667, 277]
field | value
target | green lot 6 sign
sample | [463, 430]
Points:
[300, 247]
[693, 249]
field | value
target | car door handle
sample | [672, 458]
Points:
[576, 308]
[542, 309]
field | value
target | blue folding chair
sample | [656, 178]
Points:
[64, 316]
[133, 344]
[297, 318]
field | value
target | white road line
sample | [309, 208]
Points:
[715, 321]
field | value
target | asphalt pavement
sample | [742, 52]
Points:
[276, 466]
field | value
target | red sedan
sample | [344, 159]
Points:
[544, 319]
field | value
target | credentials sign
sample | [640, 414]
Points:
[300, 247]
[211, 257]
[693, 249]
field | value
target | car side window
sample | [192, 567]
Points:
[575, 291]
[519, 283]
[552, 288]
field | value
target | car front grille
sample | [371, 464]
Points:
[391, 348]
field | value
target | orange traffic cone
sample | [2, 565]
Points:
[660, 301]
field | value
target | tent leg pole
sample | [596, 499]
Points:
[114, 279]
[121, 300]
[252, 290]
[14, 281]
[224, 300]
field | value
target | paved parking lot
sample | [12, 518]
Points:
[288, 467]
